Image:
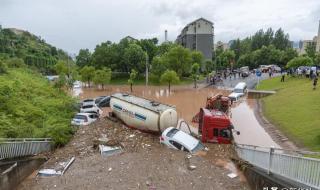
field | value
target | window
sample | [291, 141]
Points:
[215, 132]
[175, 144]
[88, 106]
[172, 132]
[225, 133]
[82, 117]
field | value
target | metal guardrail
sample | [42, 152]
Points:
[19, 147]
[285, 163]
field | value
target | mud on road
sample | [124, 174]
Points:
[144, 164]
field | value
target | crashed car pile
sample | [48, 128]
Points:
[90, 110]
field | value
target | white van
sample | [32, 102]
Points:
[239, 90]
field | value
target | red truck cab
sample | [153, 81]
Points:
[215, 126]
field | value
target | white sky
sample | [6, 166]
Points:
[75, 24]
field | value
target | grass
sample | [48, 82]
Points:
[295, 109]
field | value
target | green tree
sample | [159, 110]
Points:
[87, 74]
[3, 67]
[16, 62]
[61, 82]
[227, 58]
[311, 50]
[133, 75]
[61, 67]
[134, 57]
[159, 66]
[195, 73]
[197, 57]
[179, 59]
[287, 55]
[83, 58]
[102, 77]
[281, 40]
[149, 46]
[169, 77]
[108, 54]
[300, 61]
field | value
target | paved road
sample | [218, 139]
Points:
[251, 81]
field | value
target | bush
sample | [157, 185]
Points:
[3, 68]
[16, 63]
[31, 107]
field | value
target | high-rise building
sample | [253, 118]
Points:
[198, 35]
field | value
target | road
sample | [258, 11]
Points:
[251, 80]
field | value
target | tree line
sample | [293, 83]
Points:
[263, 48]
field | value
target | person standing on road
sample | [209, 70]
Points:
[282, 77]
[315, 81]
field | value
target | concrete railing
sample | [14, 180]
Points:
[20, 147]
[285, 163]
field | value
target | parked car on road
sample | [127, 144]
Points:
[84, 118]
[179, 140]
[239, 90]
[91, 109]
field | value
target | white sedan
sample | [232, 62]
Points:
[179, 140]
[91, 109]
[84, 118]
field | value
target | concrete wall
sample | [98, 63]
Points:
[258, 179]
[24, 168]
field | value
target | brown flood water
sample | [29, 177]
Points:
[188, 102]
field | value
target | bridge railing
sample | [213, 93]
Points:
[289, 164]
[19, 147]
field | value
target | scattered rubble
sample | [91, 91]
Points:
[143, 164]
[59, 169]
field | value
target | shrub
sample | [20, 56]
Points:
[3, 68]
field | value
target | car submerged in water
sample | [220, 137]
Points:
[179, 140]
[239, 90]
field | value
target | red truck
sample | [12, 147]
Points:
[215, 126]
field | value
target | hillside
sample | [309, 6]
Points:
[32, 49]
[295, 109]
[31, 107]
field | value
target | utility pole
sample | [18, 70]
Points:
[147, 72]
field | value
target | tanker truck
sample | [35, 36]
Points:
[143, 114]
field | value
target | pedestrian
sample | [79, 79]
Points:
[270, 73]
[234, 75]
[315, 81]
[282, 77]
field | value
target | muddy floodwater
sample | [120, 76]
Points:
[188, 102]
[245, 121]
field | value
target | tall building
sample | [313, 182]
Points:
[318, 39]
[315, 42]
[198, 35]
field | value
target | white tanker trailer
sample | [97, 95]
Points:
[143, 114]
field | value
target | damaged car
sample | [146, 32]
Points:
[179, 140]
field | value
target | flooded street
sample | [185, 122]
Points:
[188, 102]
[245, 121]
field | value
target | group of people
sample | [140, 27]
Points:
[309, 72]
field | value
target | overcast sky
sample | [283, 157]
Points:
[75, 24]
